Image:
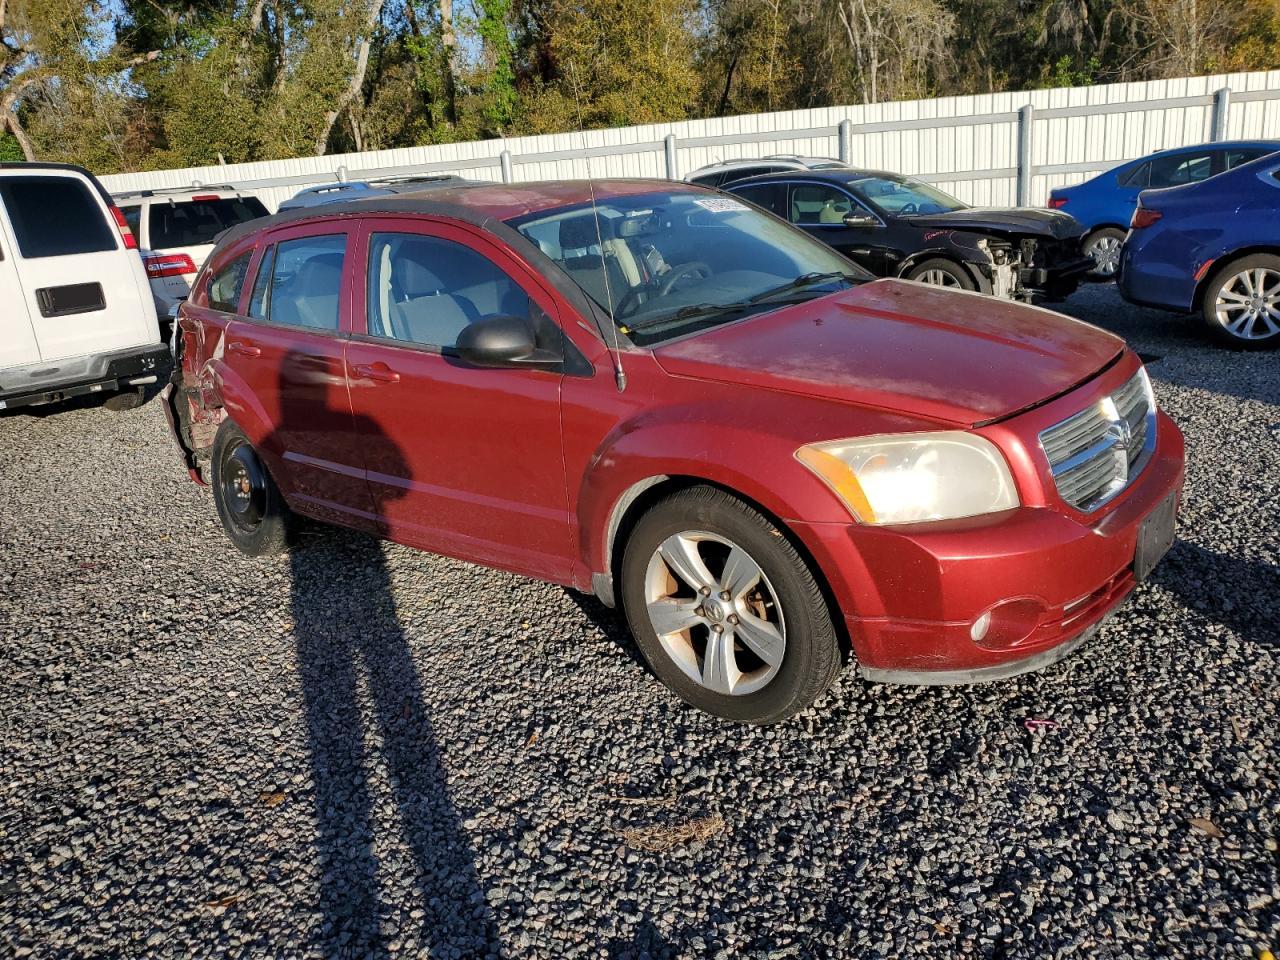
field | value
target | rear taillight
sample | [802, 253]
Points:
[1057, 203]
[1144, 217]
[130, 242]
[168, 265]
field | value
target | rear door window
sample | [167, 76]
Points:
[227, 283]
[304, 282]
[771, 196]
[55, 217]
[133, 217]
[1182, 168]
[193, 223]
[1139, 176]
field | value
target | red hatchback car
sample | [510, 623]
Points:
[668, 397]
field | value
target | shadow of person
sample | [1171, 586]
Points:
[1241, 594]
[364, 702]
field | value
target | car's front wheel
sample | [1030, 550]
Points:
[725, 610]
[1104, 246]
[249, 504]
[942, 273]
[1241, 304]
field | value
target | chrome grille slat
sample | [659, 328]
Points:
[1095, 453]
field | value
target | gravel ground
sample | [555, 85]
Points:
[362, 750]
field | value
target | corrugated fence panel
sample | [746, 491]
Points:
[968, 145]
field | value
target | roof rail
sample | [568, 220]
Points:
[165, 191]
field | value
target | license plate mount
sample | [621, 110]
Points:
[1155, 537]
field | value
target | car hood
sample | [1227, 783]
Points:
[948, 356]
[1024, 220]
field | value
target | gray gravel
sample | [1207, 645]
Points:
[362, 750]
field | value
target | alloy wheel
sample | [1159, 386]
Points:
[1106, 255]
[939, 278]
[715, 612]
[1248, 304]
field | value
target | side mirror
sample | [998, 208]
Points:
[502, 341]
[857, 219]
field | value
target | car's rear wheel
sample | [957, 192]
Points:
[249, 504]
[129, 398]
[1241, 304]
[1104, 246]
[942, 273]
[725, 610]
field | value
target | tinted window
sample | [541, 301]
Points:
[710, 180]
[1139, 176]
[771, 196]
[55, 216]
[741, 174]
[1242, 155]
[305, 282]
[191, 223]
[225, 287]
[133, 217]
[426, 290]
[902, 196]
[819, 203]
[1181, 168]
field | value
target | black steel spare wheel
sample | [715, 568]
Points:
[252, 512]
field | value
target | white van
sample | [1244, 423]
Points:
[76, 314]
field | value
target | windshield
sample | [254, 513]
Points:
[675, 262]
[900, 197]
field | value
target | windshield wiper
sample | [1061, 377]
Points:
[692, 312]
[805, 280]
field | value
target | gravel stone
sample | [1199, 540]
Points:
[363, 750]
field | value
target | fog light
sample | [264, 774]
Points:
[980, 627]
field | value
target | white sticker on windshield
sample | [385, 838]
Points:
[720, 204]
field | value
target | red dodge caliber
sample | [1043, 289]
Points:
[670, 398]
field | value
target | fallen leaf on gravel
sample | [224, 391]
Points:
[662, 837]
[1237, 727]
[224, 902]
[272, 798]
[1205, 826]
[533, 738]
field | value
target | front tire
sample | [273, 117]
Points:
[1241, 304]
[1104, 246]
[942, 273]
[724, 609]
[252, 512]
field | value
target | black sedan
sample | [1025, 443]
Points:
[899, 227]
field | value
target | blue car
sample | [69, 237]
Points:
[1105, 203]
[366, 189]
[1212, 248]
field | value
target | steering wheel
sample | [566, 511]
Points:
[907, 209]
[694, 269]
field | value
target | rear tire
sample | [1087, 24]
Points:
[940, 272]
[1104, 246]
[252, 511]
[128, 399]
[757, 643]
[1241, 305]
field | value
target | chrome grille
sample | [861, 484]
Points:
[1095, 453]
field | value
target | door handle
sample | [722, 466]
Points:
[244, 349]
[379, 372]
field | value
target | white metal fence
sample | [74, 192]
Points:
[994, 149]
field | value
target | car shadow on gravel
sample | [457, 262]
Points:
[372, 748]
[1241, 594]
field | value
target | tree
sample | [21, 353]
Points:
[897, 46]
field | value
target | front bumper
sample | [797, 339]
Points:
[96, 373]
[912, 594]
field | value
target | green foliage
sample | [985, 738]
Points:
[10, 151]
[136, 84]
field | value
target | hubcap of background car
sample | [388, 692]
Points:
[939, 278]
[244, 489]
[1248, 305]
[715, 612]
[1106, 255]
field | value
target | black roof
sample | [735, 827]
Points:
[836, 176]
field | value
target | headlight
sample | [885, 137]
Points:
[912, 477]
